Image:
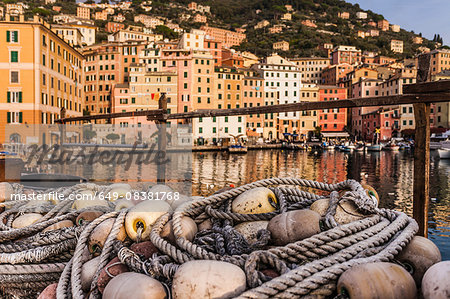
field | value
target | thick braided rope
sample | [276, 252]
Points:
[31, 268]
[303, 279]
[107, 250]
[37, 254]
[63, 290]
[77, 257]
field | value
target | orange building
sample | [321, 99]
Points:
[226, 37]
[112, 27]
[383, 25]
[440, 61]
[332, 120]
[107, 65]
[84, 12]
[39, 74]
[253, 87]
[231, 58]
[332, 74]
[215, 47]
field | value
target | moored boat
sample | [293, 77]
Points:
[237, 149]
[374, 148]
[391, 147]
[444, 153]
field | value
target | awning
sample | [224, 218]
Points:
[334, 134]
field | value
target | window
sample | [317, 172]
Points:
[14, 56]
[14, 97]
[14, 77]
[214, 130]
[14, 117]
[200, 130]
[12, 36]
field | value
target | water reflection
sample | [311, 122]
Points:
[390, 173]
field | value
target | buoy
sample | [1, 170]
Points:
[146, 249]
[208, 279]
[6, 190]
[124, 203]
[346, 210]
[436, 281]
[99, 235]
[419, 255]
[134, 285]
[175, 203]
[49, 292]
[25, 220]
[58, 225]
[88, 216]
[113, 268]
[207, 224]
[377, 280]
[87, 273]
[371, 192]
[80, 204]
[188, 226]
[250, 230]
[254, 201]
[142, 216]
[293, 226]
[118, 191]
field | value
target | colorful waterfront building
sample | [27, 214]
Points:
[282, 84]
[228, 94]
[253, 96]
[332, 120]
[142, 92]
[39, 74]
[106, 65]
[308, 120]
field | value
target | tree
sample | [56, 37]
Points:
[112, 136]
[88, 134]
[166, 32]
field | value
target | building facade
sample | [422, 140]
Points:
[40, 75]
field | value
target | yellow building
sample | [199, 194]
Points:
[39, 74]
[283, 46]
[71, 35]
[87, 30]
[142, 92]
[308, 119]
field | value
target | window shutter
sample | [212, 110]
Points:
[8, 95]
[20, 117]
[20, 97]
[8, 37]
[8, 116]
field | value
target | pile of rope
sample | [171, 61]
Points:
[31, 259]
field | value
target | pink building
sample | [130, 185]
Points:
[385, 120]
[361, 89]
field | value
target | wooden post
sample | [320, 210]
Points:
[62, 137]
[62, 114]
[422, 152]
[162, 138]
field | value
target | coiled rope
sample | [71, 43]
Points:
[306, 267]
